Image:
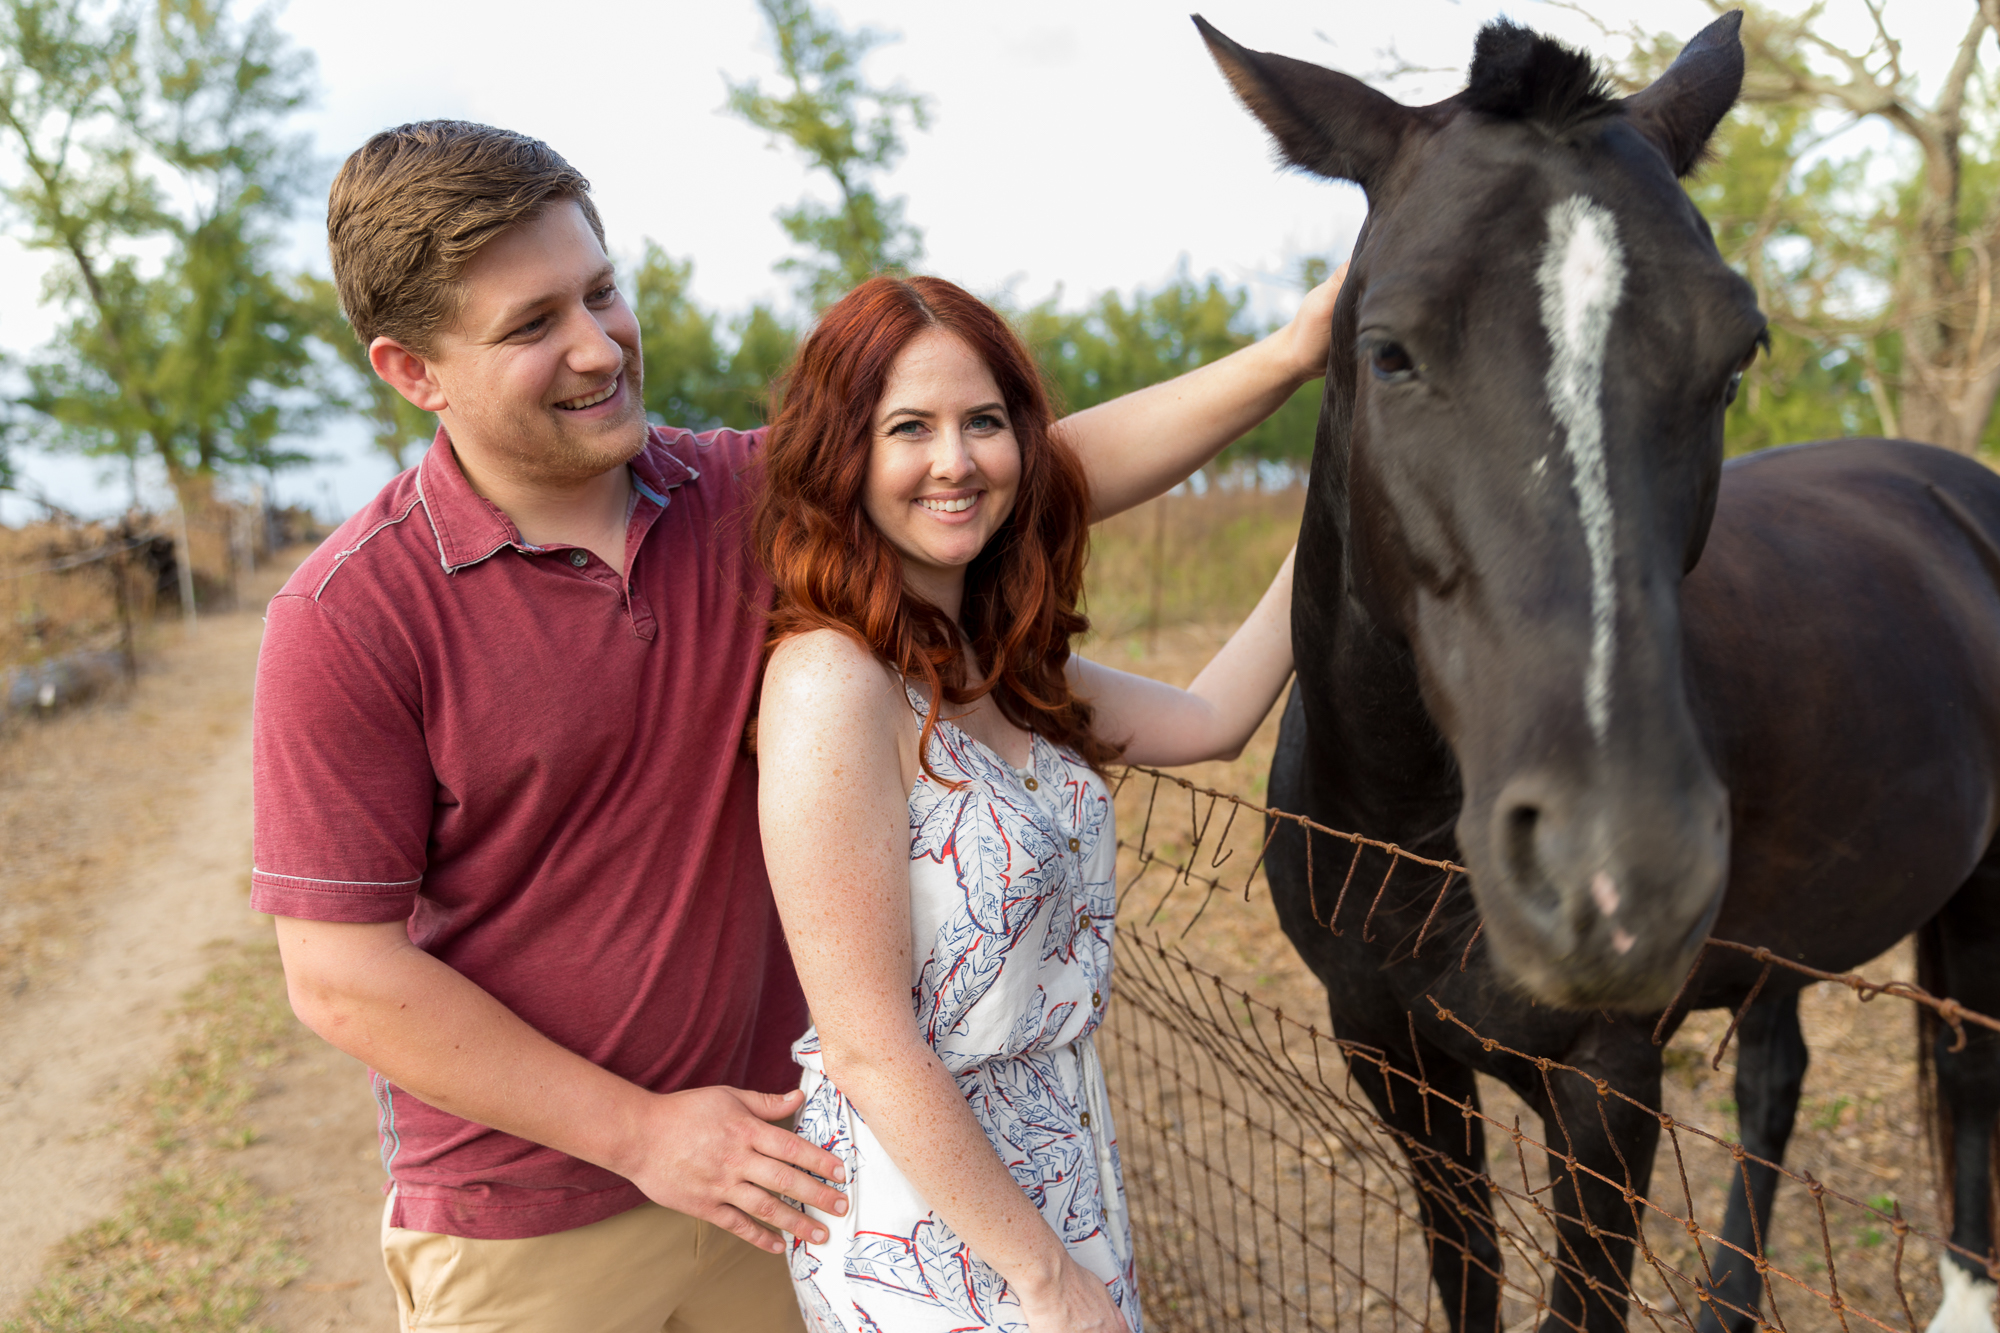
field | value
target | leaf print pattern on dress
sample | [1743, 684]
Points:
[1012, 899]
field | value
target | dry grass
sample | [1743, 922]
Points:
[194, 1247]
[84, 791]
[46, 612]
[55, 600]
[1194, 559]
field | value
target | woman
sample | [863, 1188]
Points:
[938, 837]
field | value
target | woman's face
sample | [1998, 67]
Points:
[943, 464]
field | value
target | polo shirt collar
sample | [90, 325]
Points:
[470, 528]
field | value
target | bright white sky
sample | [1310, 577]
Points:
[1073, 146]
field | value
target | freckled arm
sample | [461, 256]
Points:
[1213, 717]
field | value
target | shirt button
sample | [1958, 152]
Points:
[1095, 999]
[1031, 784]
[579, 558]
[1084, 920]
[1075, 846]
[1086, 1120]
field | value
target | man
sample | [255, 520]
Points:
[504, 815]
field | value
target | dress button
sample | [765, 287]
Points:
[1075, 846]
[579, 558]
[1086, 1119]
[1031, 784]
[1095, 999]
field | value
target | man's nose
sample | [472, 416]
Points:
[594, 349]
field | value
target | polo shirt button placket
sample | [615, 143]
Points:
[579, 558]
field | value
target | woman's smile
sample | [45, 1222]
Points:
[951, 505]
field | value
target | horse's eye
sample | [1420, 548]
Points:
[1390, 362]
[1743, 367]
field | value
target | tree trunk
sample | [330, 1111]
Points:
[1949, 404]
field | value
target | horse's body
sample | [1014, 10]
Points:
[1505, 659]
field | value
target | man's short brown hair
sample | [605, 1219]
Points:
[412, 207]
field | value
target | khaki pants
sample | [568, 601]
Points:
[650, 1270]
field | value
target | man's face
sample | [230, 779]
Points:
[541, 371]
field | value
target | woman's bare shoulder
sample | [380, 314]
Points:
[826, 669]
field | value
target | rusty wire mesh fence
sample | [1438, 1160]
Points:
[1267, 1193]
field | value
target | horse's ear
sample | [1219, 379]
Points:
[1323, 121]
[1681, 108]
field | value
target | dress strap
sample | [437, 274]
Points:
[918, 703]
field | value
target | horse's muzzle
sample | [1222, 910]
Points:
[1598, 896]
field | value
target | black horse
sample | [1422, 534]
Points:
[1508, 654]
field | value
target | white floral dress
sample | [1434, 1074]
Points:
[1011, 903]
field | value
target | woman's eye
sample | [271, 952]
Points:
[603, 295]
[984, 422]
[1388, 361]
[532, 326]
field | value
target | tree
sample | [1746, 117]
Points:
[1112, 348]
[694, 376]
[399, 425]
[159, 129]
[1876, 269]
[1928, 244]
[845, 128]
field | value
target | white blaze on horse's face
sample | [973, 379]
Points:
[1582, 277]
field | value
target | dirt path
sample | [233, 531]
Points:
[126, 829]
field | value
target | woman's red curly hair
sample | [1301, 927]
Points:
[833, 568]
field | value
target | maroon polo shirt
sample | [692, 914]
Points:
[538, 765]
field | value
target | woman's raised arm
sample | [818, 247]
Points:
[1142, 444]
[1212, 718]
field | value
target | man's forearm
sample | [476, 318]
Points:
[1144, 443]
[709, 1152]
[432, 1032]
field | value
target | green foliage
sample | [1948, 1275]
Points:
[157, 131]
[399, 425]
[845, 128]
[1870, 262]
[692, 378]
[1111, 348]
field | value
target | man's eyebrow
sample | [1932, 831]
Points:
[517, 313]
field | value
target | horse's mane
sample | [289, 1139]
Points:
[1522, 75]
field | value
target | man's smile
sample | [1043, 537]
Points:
[589, 399]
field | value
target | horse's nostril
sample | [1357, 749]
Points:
[1521, 823]
[1521, 834]
[1519, 838]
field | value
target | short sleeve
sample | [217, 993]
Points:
[343, 782]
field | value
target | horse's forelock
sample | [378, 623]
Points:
[1522, 75]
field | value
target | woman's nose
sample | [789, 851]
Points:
[950, 458]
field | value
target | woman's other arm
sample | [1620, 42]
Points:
[1144, 443]
[1213, 717]
[835, 760]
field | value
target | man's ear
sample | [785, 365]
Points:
[408, 374]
